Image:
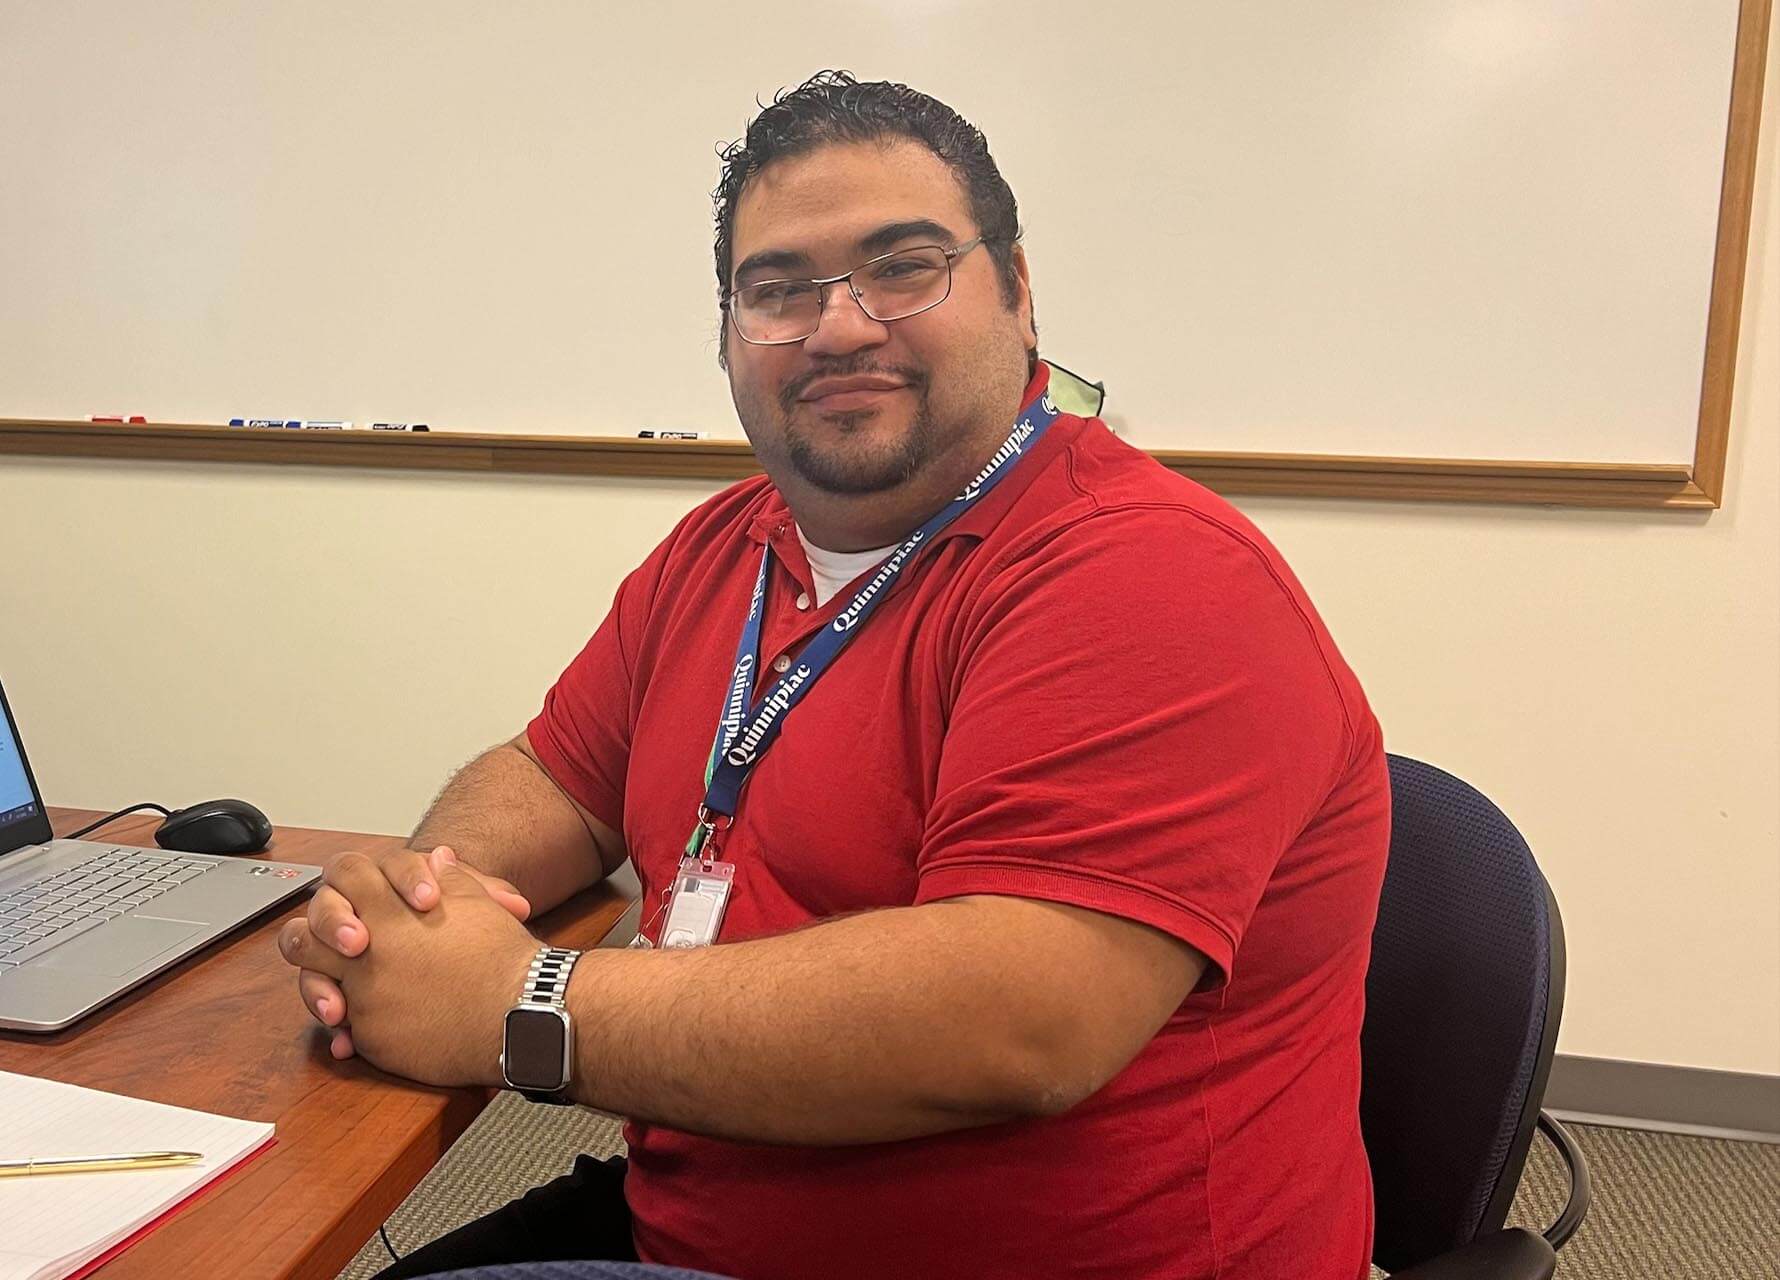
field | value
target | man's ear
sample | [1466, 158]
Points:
[1023, 300]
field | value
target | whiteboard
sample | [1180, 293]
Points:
[1454, 229]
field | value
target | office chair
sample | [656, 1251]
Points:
[1463, 1000]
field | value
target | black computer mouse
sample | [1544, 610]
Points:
[216, 826]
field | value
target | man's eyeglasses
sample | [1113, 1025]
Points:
[892, 286]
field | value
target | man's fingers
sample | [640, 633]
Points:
[301, 948]
[340, 1045]
[323, 996]
[361, 882]
[516, 903]
[502, 891]
[458, 881]
[411, 872]
[333, 922]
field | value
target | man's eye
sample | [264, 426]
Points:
[907, 269]
[778, 293]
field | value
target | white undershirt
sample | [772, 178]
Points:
[835, 569]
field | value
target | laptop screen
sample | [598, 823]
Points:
[16, 800]
[22, 820]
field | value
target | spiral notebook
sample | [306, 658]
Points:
[55, 1226]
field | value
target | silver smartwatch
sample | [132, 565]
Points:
[539, 1041]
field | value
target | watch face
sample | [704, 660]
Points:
[537, 1046]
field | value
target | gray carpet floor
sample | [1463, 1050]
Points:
[1665, 1206]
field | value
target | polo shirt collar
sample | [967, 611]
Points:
[773, 522]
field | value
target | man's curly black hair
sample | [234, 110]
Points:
[832, 106]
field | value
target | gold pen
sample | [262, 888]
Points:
[98, 1164]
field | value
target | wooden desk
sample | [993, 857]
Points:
[225, 1032]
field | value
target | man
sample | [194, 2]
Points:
[1036, 820]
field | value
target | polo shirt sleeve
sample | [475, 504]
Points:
[582, 734]
[1144, 721]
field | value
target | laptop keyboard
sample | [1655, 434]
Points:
[44, 914]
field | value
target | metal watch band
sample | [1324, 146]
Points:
[548, 977]
[546, 983]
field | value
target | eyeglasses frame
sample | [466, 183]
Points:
[952, 255]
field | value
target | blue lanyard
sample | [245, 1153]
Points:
[745, 732]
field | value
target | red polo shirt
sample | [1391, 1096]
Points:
[1101, 687]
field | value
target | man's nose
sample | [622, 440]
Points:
[843, 326]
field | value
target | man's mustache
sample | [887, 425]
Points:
[793, 391]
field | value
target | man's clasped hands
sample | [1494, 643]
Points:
[413, 959]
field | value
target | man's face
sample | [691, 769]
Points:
[861, 406]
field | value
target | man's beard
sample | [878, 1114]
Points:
[834, 462]
[829, 455]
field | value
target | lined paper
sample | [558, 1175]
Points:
[52, 1225]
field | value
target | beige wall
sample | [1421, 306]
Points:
[330, 644]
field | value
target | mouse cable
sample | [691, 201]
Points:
[386, 1244]
[113, 817]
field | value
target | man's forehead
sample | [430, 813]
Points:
[831, 198]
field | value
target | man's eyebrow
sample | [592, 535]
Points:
[783, 262]
[891, 234]
[780, 261]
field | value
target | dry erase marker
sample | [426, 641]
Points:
[673, 435]
[132, 418]
[294, 424]
[395, 426]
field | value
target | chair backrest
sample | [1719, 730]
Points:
[1463, 999]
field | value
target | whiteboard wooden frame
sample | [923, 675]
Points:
[1679, 486]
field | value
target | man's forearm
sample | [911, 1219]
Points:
[871, 1028]
[503, 815]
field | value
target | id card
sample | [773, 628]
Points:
[698, 897]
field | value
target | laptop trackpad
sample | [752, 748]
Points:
[125, 944]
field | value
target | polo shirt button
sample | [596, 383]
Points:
[782, 663]
[803, 599]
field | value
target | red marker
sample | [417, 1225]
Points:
[135, 419]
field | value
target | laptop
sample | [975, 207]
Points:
[82, 922]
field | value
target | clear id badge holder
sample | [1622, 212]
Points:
[694, 904]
